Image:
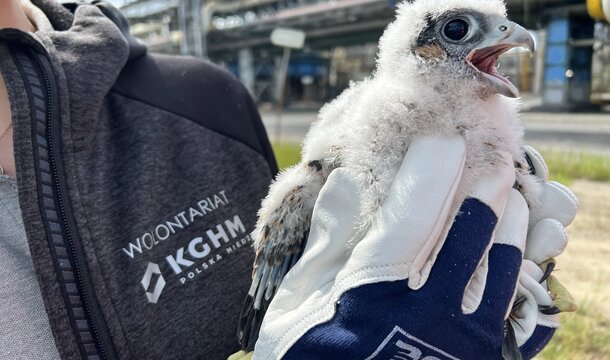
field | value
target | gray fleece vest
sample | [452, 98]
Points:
[139, 178]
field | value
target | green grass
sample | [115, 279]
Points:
[287, 154]
[583, 335]
[565, 167]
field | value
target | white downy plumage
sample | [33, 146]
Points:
[368, 130]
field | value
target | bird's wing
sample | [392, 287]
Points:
[280, 237]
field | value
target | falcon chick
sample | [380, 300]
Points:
[436, 75]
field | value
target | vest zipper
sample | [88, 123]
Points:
[56, 218]
[51, 102]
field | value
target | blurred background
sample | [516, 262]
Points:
[319, 46]
[567, 72]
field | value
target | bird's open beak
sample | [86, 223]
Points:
[505, 35]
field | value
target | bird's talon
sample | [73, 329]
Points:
[549, 309]
[548, 267]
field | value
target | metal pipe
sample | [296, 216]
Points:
[246, 68]
[281, 90]
[182, 14]
[199, 33]
[206, 13]
[303, 11]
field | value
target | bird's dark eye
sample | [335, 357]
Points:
[456, 29]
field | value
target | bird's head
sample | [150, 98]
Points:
[453, 41]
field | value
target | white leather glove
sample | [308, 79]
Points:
[549, 215]
[412, 226]
[540, 296]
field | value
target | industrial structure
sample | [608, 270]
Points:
[342, 37]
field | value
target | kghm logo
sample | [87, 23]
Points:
[198, 256]
[152, 270]
[400, 345]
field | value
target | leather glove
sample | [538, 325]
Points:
[540, 296]
[337, 304]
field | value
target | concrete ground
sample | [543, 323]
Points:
[566, 131]
[576, 132]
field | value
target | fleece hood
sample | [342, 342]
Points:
[61, 18]
[89, 47]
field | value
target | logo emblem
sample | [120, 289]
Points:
[401, 345]
[151, 270]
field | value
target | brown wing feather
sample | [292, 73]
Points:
[281, 240]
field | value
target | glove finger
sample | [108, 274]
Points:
[530, 278]
[556, 202]
[536, 162]
[524, 318]
[333, 220]
[548, 239]
[533, 270]
[411, 220]
[474, 291]
[539, 340]
[472, 232]
[466, 244]
[505, 258]
[423, 195]
[533, 330]
[527, 317]
[500, 286]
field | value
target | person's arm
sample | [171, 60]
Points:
[11, 16]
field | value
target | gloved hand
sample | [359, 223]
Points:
[337, 304]
[535, 318]
[540, 296]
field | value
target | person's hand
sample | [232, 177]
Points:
[341, 304]
[540, 296]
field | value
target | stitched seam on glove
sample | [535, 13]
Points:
[487, 202]
[514, 244]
